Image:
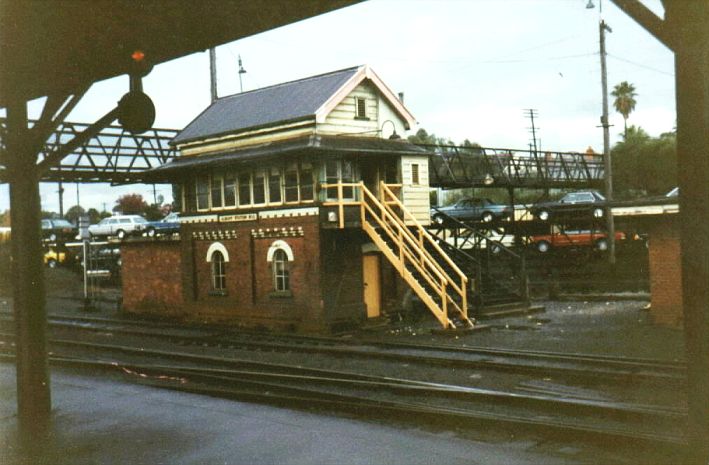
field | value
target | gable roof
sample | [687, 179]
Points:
[309, 98]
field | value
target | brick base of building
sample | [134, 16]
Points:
[665, 272]
[175, 278]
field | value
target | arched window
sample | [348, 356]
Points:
[280, 271]
[218, 271]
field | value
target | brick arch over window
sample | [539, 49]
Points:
[279, 245]
[217, 246]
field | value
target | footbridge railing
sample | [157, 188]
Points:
[458, 166]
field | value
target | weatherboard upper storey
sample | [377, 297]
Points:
[352, 102]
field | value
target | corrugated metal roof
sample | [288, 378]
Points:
[290, 101]
[324, 145]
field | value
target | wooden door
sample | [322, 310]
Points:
[371, 270]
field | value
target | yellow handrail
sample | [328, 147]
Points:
[461, 290]
[405, 251]
[425, 233]
[411, 246]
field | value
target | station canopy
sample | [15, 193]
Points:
[59, 48]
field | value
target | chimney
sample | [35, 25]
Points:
[401, 97]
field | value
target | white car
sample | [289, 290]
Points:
[119, 226]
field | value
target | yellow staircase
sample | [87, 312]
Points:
[420, 261]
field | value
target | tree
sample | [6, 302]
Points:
[424, 138]
[644, 165]
[624, 103]
[131, 204]
[74, 213]
[95, 216]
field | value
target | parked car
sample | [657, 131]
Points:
[119, 226]
[574, 238]
[573, 203]
[52, 258]
[472, 209]
[168, 225]
[58, 230]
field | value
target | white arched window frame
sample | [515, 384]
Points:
[217, 246]
[279, 245]
[218, 256]
[279, 256]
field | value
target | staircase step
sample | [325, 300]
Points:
[510, 309]
[459, 331]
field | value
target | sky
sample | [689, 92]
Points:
[469, 69]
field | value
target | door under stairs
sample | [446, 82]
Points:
[421, 262]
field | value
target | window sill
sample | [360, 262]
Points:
[363, 118]
[221, 293]
[281, 295]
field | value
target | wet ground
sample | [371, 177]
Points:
[110, 421]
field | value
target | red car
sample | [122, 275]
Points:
[574, 238]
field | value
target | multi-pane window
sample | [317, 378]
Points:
[259, 185]
[415, 174]
[218, 271]
[281, 280]
[332, 176]
[347, 176]
[245, 189]
[291, 182]
[230, 190]
[306, 182]
[360, 108]
[274, 185]
[217, 198]
[202, 192]
[337, 171]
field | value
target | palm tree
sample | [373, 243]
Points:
[624, 103]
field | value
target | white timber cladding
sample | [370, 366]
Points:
[248, 138]
[342, 119]
[415, 196]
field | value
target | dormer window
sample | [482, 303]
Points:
[360, 108]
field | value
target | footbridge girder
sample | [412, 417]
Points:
[112, 155]
[459, 167]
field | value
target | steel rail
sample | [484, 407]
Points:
[677, 366]
[266, 387]
[610, 367]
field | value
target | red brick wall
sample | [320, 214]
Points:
[250, 298]
[665, 272]
[151, 277]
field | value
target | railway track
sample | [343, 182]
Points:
[379, 396]
[583, 367]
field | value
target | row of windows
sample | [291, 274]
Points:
[279, 271]
[274, 185]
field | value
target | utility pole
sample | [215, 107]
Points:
[213, 73]
[607, 169]
[531, 113]
[61, 200]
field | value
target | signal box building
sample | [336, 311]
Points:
[302, 208]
